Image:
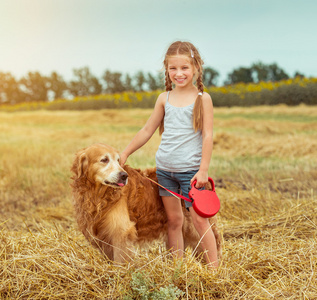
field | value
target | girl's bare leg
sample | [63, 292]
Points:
[208, 240]
[175, 219]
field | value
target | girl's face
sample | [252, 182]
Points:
[181, 70]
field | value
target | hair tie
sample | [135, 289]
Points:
[200, 94]
[191, 53]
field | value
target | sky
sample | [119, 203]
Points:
[133, 35]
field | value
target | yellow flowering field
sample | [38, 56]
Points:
[291, 92]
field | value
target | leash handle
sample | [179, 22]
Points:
[210, 180]
[171, 192]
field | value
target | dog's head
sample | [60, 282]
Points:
[100, 164]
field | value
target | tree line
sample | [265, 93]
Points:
[35, 87]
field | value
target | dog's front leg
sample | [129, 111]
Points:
[122, 231]
[124, 245]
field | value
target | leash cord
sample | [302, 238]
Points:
[171, 192]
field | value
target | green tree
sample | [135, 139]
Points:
[276, 73]
[263, 72]
[210, 76]
[10, 91]
[114, 82]
[35, 87]
[260, 72]
[241, 74]
[85, 83]
[140, 80]
[153, 82]
[298, 74]
[57, 85]
[128, 85]
[161, 80]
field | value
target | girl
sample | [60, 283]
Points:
[185, 117]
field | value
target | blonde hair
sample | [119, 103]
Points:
[189, 50]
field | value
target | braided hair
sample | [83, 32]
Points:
[187, 49]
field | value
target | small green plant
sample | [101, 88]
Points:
[143, 288]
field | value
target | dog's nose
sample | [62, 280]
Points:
[123, 176]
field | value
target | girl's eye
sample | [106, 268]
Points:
[105, 160]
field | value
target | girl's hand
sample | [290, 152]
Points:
[201, 177]
[123, 159]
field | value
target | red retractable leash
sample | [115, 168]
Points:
[205, 203]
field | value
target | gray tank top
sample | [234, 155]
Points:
[181, 147]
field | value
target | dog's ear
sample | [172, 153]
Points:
[82, 165]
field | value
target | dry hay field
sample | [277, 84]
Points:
[264, 165]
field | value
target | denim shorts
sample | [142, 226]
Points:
[176, 182]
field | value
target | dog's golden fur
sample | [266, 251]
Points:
[117, 208]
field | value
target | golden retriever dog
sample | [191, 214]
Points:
[119, 209]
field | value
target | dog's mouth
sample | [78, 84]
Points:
[116, 184]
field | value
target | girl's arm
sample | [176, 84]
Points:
[147, 131]
[207, 132]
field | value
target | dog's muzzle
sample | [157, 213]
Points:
[122, 180]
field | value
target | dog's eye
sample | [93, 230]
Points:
[105, 160]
